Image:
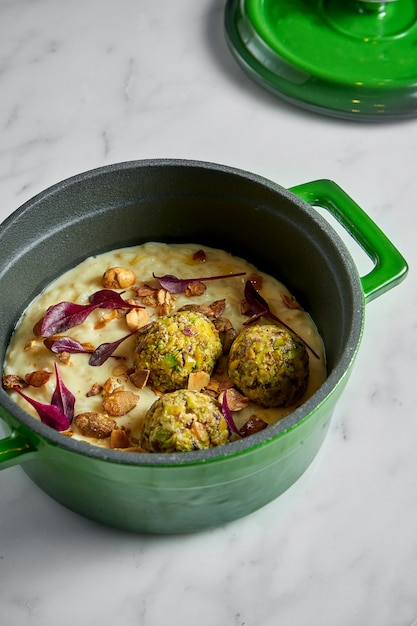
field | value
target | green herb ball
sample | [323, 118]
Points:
[174, 346]
[270, 365]
[182, 421]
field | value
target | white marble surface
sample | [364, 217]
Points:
[91, 82]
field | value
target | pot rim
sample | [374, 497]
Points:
[244, 445]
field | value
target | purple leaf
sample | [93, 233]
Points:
[66, 344]
[49, 414]
[260, 308]
[64, 315]
[256, 302]
[62, 397]
[227, 414]
[105, 350]
[179, 285]
[108, 299]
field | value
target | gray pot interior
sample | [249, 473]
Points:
[183, 201]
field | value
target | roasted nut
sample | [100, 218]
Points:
[110, 386]
[120, 402]
[136, 318]
[94, 424]
[106, 319]
[118, 278]
[196, 288]
[13, 380]
[200, 256]
[198, 380]
[235, 400]
[95, 390]
[119, 438]
[213, 310]
[254, 425]
[139, 377]
[166, 302]
[38, 378]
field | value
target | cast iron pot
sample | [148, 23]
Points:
[186, 201]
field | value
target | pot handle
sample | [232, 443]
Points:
[12, 448]
[390, 268]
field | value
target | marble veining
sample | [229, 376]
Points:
[88, 83]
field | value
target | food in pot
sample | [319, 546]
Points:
[182, 421]
[95, 350]
[174, 346]
[270, 365]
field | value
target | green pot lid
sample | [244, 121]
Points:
[345, 58]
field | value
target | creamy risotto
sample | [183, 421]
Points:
[54, 361]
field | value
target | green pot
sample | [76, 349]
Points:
[182, 201]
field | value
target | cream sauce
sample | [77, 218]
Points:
[27, 353]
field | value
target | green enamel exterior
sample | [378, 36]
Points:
[349, 59]
[130, 203]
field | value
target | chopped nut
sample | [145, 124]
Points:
[95, 390]
[217, 308]
[118, 278]
[146, 290]
[196, 288]
[106, 319]
[139, 378]
[151, 300]
[94, 424]
[222, 324]
[136, 318]
[119, 438]
[165, 302]
[110, 386]
[13, 380]
[198, 380]
[204, 309]
[200, 256]
[38, 378]
[213, 310]
[120, 402]
[254, 425]
[235, 400]
[63, 357]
